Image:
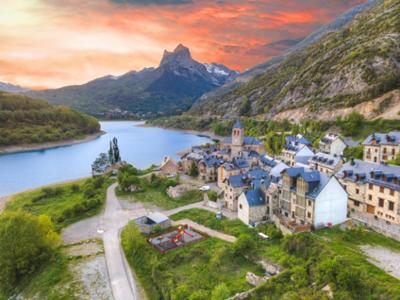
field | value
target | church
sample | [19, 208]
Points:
[238, 143]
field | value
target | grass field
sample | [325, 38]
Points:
[155, 193]
[190, 272]
[312, 260]
[64, 203]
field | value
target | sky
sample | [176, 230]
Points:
[53, 43]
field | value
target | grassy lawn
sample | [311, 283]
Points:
[154, 192]
[313, 260]
[190, 272]
[64, 203]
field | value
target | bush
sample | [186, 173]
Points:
[75, 188]
[245, 245]
[220, 292]
[27, 243]
[212, 195]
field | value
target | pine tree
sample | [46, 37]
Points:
[117, 157]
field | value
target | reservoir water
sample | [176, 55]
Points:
[140, 146]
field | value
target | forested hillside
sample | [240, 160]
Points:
[24, 120]
[350, 66]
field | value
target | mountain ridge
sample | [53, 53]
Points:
[168, 89]
[356, 63]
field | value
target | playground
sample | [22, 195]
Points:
[179, 237]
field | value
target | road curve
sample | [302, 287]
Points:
[123, 284]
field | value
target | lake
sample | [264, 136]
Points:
[140, 146]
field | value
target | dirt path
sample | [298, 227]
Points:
[229, 215]
[206, 230]
[383, 258]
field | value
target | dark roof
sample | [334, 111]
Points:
[325, 159]
[368, 172]
[268, 161]
[299, 139]
[243, 180]
[254, 197]
[391, 138]
[237, 125]
[247, 140]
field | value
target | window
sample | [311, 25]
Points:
[393, 151]
[357, 191]
[391, 192]
[375, 160]
[240, 206]
[391, 205]
[309, 203]
[370, 197]
[356, 203]
[381, 189]
[381, 202]
[370, 186]
[308, 215]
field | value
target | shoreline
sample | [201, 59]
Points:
[205, 133]
[48, 145]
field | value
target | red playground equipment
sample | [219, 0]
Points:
[180, 235]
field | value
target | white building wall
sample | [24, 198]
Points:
[337, 147]
[303, 155]
[331, 204]
[243, 212]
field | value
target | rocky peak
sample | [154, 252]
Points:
[181, 54]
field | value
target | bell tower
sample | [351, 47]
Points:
[237, 134]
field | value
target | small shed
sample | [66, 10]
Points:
[169, 166]
[147, 223]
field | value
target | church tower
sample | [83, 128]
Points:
[237, 134]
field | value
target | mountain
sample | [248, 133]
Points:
[338, 23]
[170, 88]
[24, 120]
[354, 64]
[7, 87]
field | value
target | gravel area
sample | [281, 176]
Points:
[93, 277]
[85, 249]
[386, 259]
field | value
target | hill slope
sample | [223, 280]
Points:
[24, 120]
[168, 89]
[355, 64]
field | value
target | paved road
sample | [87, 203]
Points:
[114, 219]
[228, 214]
[108, 226]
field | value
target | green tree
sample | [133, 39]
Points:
[354, 152]
[245, 107]
[220, 292]
[245, 245]
[27, 243]
[212, 195]
[193, 170]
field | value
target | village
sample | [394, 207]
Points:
[302, 189]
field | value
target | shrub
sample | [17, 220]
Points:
[220, 292]
[27, 243]
[245, 245]
[75, 188]
[212, 195]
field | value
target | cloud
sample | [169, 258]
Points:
[152, 2]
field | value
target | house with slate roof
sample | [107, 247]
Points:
[332, 144]
[326, 163]
[234, 186]
[208, 167]
[311, 199]
[294, 152]
[238, 142]
[374, 189]
[382, 147]
[253, 203]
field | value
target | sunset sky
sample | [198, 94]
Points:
[52, 43]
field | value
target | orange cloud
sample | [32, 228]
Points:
[52, 43]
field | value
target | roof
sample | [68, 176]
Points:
[329, 138]
[277, 170]
[327, 160]
[351, 143]
[268, 161]
[243, 180]
[316, 180]
[391, 138]
[237, 125]
[368, 172]
[298, 139]
[240, 162]
[212, 161]
[157, 217]
[247, 140]
[254, 197]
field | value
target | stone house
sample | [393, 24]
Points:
[208, 168]
[373, 189]
[169, 166]
[311, 199]
[253, 206]
[381, 147]
[332, 144]
[329, 164]
[234, 186]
